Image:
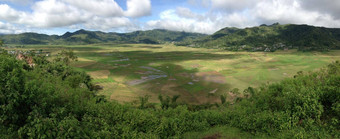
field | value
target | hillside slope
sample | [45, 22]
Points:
[90, 37]
[273, 37]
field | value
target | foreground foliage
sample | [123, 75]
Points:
[53, 100]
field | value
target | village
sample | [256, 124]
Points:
[29, 52]
[26, 55]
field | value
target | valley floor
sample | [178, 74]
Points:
[198, 75]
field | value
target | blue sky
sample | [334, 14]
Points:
[202, 16]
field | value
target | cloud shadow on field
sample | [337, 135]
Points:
[137, 65]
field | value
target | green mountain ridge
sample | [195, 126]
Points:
[82, 36]
[273, 37]
[259, 38]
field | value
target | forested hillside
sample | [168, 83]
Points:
[49, 99]
[261, 38]
[90, 37]
[271, 38]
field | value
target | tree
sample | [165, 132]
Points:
[12, 92]
[168, 102]
[1, 43]
[66, 57]
[223, 98]
[143, 101]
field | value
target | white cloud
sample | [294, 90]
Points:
[187, 13]
[183, 19]
[9, 14]
[291, 11]
[138, 8]
[243, 13]
[324, 6]
[232, 5]
[100, 14]
[7, 28]
[108, 23]
[213, 14]
[172, 21]
[107, 8]
[53, 13]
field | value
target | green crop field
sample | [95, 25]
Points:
[198, 75]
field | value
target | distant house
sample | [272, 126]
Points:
[267, 50]
[28, 59]
[21, 56]
[12, 52]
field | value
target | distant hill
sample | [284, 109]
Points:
[260, 38]
[271, 38]
[91, 37]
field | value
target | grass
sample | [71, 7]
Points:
[184, 67]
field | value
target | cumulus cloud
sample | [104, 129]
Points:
[6, 28]
[9, 14]
[291, 11]
[208, 16]
[246, 13]
[169, 19]
[98, 7]
[183, 19]
[99, 14]
[232, 5]
[138, 8]
[108, 23]
[324, 6]
[53, 13]
[187, 13]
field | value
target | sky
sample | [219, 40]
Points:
[201, 16]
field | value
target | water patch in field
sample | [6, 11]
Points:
[120, 60]
[150, 74]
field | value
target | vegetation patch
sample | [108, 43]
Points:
[53, 100]
[100, 74]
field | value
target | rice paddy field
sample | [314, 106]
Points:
[129, 71]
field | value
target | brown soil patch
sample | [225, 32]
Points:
[168, 89]
[196, 66]
[231, 96]
[255, 57]
[212, 76]
[85, 64]
[183, 74]
[100, 74]
[171, 89]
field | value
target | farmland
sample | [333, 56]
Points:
[129, 71]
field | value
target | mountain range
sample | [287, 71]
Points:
[259, 38]
[271, 37]
[155, 36]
